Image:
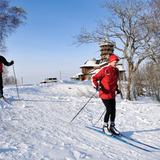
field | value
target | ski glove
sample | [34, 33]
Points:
[98, 88]
[118, 91]
[12, 62]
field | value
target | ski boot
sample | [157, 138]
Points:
[113, 129]
[106, 130]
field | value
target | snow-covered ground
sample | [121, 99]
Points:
[37, 127]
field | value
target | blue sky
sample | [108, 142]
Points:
[42, 48]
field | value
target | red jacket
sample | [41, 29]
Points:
[107, 77]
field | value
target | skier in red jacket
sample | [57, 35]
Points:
[3, 61]
[105, 81]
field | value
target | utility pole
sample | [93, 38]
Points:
[60, 75]
[22, 79]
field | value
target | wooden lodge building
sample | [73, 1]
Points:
[92, 66]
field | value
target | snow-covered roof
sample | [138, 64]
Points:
[105, 43]
[90, 63]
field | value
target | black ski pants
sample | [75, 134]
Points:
[1, 83]
[110, 105]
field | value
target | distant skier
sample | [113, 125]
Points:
[105, 81]
[3, 61]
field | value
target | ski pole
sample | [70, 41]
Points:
[81, 108]
[16, 82]
[100, 116]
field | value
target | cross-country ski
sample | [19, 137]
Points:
[120, 136]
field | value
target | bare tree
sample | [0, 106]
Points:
[10, 19]
[128, 23]
[155, 24]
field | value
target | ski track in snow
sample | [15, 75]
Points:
[37, 127]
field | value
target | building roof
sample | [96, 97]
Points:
[92, 63]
